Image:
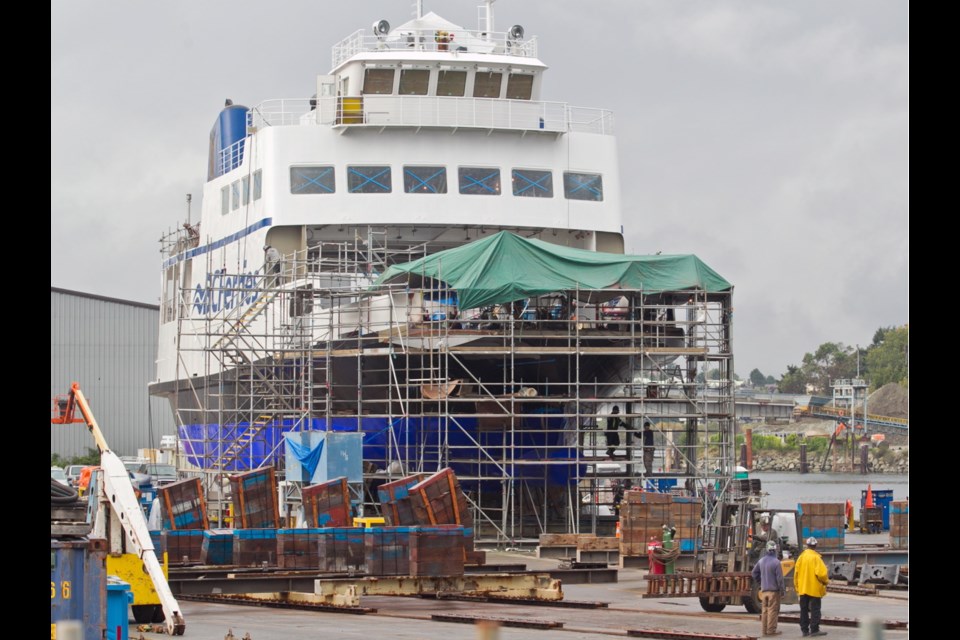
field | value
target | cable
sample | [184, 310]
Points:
[62, 494]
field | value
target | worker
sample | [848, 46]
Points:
[271, 264]
[810, 580]
[614, 422]
[767, 533]
[769, 574]
[647, 447]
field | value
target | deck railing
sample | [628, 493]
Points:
[432, 111]
[453, 42]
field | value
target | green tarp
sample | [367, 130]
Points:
[506, 267]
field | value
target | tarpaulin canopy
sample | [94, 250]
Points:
[506, 267]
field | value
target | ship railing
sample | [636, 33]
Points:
[230, 158]
[432, 111]
[432, 40]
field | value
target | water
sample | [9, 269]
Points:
[786, 490]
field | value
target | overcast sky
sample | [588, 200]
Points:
[769, 138]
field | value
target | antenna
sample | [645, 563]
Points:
[418, 9]
[189, 199]
[490, 15]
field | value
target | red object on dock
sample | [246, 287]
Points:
[656, 567]
[869, 500]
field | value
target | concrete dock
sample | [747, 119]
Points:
[402, 618]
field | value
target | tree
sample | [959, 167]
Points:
[756, 378]
[771, 380]
[793, 381]
[887, 361]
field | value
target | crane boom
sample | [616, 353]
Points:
[119, 517]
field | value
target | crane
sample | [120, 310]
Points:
[119, 517]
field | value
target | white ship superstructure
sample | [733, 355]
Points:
[427, 253]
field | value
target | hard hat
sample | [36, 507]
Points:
[811, 542]
[772, 545]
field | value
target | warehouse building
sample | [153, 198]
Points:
[109, 346]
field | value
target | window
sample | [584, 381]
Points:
[312, 180]
[425, 179]
[487, 84]
[235, 193]
[225, 200]
[480, 181]
[529, 183]
[414, 82]
[520, 86]
[583, 186]
[378, 81]
[451, 83]
[257, 184]
[245, 190]
[374, 179]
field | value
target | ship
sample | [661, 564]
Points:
[427, 253]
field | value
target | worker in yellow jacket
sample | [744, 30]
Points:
[810, 581]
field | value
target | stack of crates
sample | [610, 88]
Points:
[439, 500]
[183, 547]
[298, 548]
[437, 551]
[255, 547]
[341, 550]
[823, 521]
[395, 500]
[159, 543]
[217, 547]
[387, 550]
[254, 496]
[327, 504]
[685, 514]
[642, 516]
[182, 505]
[900, 524]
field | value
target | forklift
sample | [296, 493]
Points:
[737, 542]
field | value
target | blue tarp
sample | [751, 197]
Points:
[308, 457]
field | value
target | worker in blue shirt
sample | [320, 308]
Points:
[769, 574]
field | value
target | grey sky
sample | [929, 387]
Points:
[769, 138]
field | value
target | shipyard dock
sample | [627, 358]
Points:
[587, 611]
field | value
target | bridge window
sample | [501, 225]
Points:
[583, 186]
[451, 83]
[528, 183]
[520, 86]
[414, 82]
[425, 179]
[235, 194]
[486, 84]
[378, 81]
[225, 200]
[245, 190]
[257, 184]
[312, 180]
[374, 179]
[480, 181]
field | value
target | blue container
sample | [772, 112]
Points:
[881, 498]
[78, 584]
[119, 599]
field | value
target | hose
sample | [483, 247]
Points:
[666, 555]
[62, 494]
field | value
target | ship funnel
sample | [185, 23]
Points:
[516, 32]
[381, 28]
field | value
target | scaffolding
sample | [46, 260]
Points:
[516, 398]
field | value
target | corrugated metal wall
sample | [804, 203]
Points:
[109, 346]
